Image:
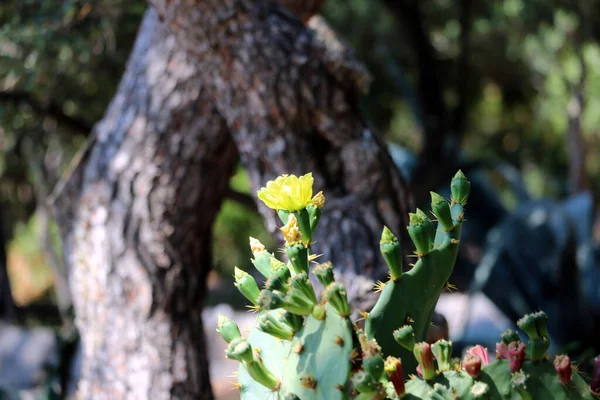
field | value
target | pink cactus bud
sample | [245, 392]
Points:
[419, 372]
[516, 351]
[595, 383]
[481, 352]
[424, 356]
[502, 351]
[472, 364]
[562, 365]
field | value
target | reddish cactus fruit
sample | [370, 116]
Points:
[595, 383]
[516, 352]
[562, 365]
[393, 370]
[502, 351]
[472, 364]
[481, 352]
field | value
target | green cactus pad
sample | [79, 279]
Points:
[318, 353]
[311, 350]
[458, 382]
[412, 299]
[542, 382]
[273, 352]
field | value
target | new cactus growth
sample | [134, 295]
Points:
[305, 346]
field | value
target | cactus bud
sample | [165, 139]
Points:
[534, 325]
[460, 188]
[239, 349]
[298, 256]
[441, 209]
[472, 364]
[291, 232]
[481, 352]
[391, 252]
[304, 224]
[595, 382]
[424, 356]
[335, 294]
[318, 200]
[292, 320]
[256, 246]
[479, 389]
[227, 329]
[246, 285]
[516, 352]
[442, 350]
[279, 279]
[364, 382]
[274, 325]
[372, 359]
[537, 348]
[262, 259]
[502, 351]
[314, 210]
[301, 297]
[269, 300]
[405, 336]
[324, 273]
[421, 232]
[393, 370]
[518, 381]
[319, 312]
[562, 365]
[441, 392]
[509, 336]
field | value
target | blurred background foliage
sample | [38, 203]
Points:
[510, 80]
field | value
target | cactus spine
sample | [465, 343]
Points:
[305, 346]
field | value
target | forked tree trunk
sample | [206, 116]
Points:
[138, 208]
[137, 228]
[291, 109]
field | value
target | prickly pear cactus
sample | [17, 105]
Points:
[305, 346]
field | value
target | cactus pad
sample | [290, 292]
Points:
[305, 346]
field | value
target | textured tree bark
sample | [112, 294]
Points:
[7, 306]
[288, 111]
[136, 218]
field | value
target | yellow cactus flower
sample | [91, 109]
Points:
[288, 192]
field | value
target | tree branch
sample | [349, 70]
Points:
[408, 12]
[435, 163]
[462, 81]
[48, 109]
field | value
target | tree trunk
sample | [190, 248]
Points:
[136, 217]
[291, 109]
[137, 211]
[7, 306]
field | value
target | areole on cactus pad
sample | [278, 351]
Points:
[305, 346]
